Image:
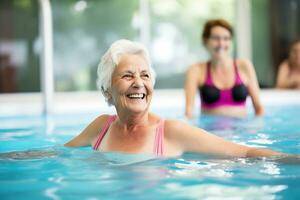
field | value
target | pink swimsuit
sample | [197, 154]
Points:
[213, 97]
[159, 136]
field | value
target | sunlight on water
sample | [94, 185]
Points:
[213, 191]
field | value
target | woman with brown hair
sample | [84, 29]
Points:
[224, 83]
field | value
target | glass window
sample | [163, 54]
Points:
[19, 61]
[176, 28]
[83, 30]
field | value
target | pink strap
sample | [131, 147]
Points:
[208, 80]
[103, 131]
[238, 79]
[159, 136]
[159, 139]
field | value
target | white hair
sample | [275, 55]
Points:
[111, 59]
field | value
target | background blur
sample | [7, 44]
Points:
[83, 30]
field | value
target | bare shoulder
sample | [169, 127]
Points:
[196, 67]
[176, 129]
[247, 70]
[102, 118]
[173, 125]
[98, 123]
[89, 134]
[245, 65]
[197, 72]
[284, 65]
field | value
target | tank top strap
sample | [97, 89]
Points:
[159, 139]
[208, 80]
[102, 133]
[238, 79]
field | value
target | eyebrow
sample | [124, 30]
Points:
[132, 72]
[145, 71]
[127, 71]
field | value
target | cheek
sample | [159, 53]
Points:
[120, 86]
[149, 86]
[210, 47]
[228, 44]
[116, 93]
[150, 90]
[211, 44]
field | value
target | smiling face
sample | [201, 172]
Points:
[219, 42]
[132, 87]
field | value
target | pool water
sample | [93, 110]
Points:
[35, 165]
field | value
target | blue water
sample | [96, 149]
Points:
[35, 165]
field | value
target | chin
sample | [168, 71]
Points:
[138, 111]
[138, 108]
[221, 56]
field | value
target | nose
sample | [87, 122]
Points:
[138, 82]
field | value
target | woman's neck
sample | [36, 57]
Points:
[131, 121]
[221, 63]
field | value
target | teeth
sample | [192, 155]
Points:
[136, 95]
[219, 49]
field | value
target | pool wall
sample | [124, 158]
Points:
[69, 102]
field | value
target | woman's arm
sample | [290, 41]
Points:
[192, 139]
[253, 87]
[86, 137]
[190, 89]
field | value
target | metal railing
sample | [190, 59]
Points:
[46, 70]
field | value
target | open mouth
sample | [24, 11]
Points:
[136, 96]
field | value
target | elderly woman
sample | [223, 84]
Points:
[224, 83]
[126, 80]
[289, 70]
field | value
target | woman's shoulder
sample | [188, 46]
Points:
[177, 130]
[245, 66]
[99, 122]
[197, 66]
[243, 63]
[102, 118]
[284, 65]
[96, 127]
[197, 71]
[173, 123]
[173, 127]
[88, 135]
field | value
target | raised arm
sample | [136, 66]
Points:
[253, 87]
[190, 89]
[86, 137]
[192, 139]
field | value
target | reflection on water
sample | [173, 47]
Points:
[214, 191]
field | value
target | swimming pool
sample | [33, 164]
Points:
[43, 169]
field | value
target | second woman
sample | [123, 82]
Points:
[223, 83]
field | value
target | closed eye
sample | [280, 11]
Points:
[127, 76]
[145, 76]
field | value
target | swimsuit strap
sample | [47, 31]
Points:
[238, 79]
[208, 80]
[159, 136]
[159, 139]
[101, 135]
